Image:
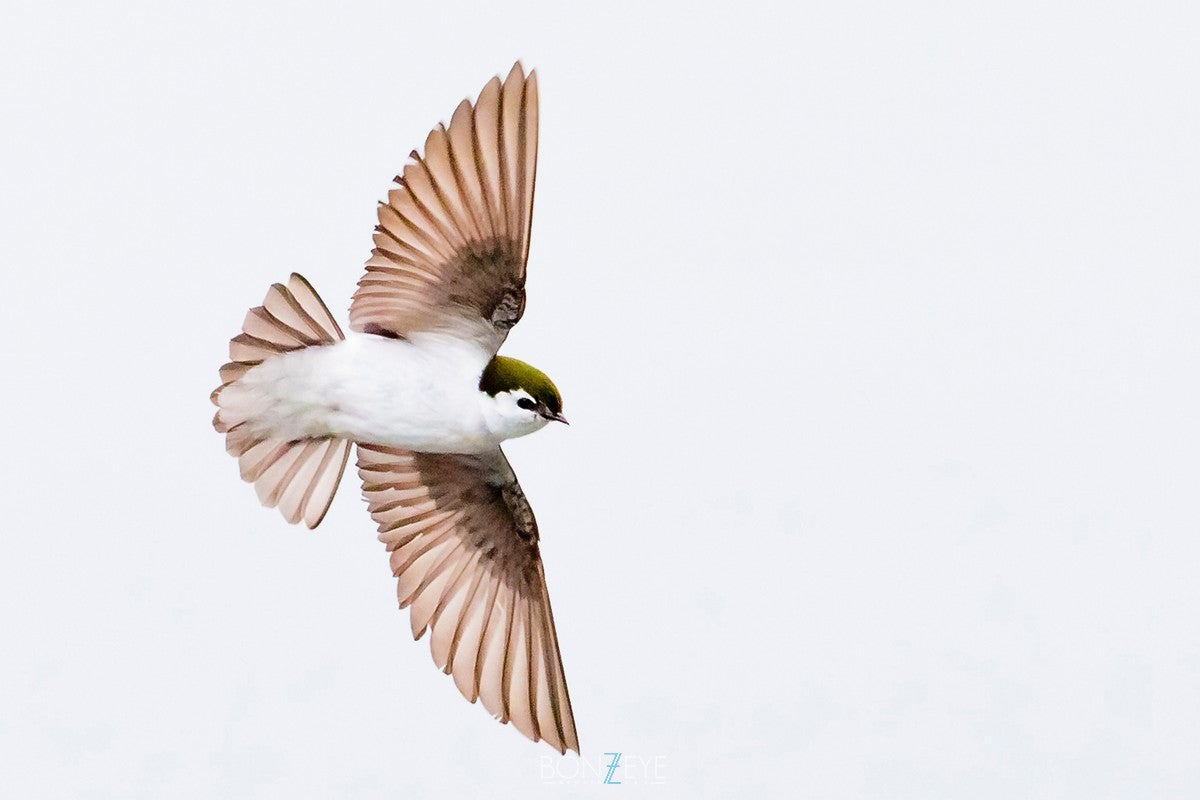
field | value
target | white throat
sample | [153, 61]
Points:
[507, 420]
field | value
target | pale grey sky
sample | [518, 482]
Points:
[878, 330]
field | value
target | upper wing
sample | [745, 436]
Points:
[452, 240]
[464, 546]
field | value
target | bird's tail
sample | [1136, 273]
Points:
[297, 476]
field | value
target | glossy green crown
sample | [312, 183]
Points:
[504, 374]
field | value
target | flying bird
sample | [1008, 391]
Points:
[418, 387]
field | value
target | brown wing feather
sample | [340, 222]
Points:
[453, 239]
[464, 547]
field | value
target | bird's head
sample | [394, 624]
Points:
[520, 398]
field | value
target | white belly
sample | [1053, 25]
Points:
[421, 395]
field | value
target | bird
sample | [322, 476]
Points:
[418, 388]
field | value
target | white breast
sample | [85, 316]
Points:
[420, 394]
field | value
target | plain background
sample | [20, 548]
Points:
[877, 326]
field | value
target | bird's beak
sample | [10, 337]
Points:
[558, 418]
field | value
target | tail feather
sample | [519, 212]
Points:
[311, 490]
[290, 317]
[299, 477]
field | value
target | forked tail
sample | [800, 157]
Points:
[298, 476]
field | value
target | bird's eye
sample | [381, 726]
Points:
[527, 404]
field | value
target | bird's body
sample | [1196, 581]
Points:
[421, 393]
[419, 390]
